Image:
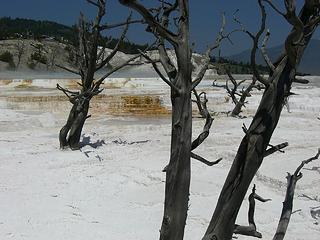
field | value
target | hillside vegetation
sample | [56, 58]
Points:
[41, 45]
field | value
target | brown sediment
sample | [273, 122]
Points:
[119, 105]
[143, 105]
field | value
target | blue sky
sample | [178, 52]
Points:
[205, 18]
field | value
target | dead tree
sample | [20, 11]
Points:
[91, 59]
[254, 145]
[251, 230]
[239, 98]
[287, 207]
[288, 202]
[181, 84]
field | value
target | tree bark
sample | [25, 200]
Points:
[70, 133]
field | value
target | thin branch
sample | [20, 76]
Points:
[255, 38]
[115, 25]
[165, 60]
[265, 54]
[151, 21]
[310, 198]
[288, 202]
[297, 172]
[93, 3]
[232, 93]
[201, 159]
[71, 95]
[255, 45]
[68, 69]
[276, 148]
[154, 65]
[116, 48]
[202, 105]
[97, 84]
[221, 36]
[66, 90]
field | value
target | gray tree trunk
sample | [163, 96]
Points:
[178, 170]
[253, 146]
[70, 133]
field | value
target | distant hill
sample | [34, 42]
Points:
[34, 29]
[310, 62]
[13, 28]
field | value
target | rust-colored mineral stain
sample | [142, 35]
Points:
[119, 105]
[143, 105]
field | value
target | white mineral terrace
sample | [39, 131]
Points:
[114, 187]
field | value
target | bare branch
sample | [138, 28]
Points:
[100, 81]
[201, 159]
[255, 45]
[232, 93]
[297, 172]
[154, 65]
[310, 198]
[276, 148]
[115, 25]
[93, 3]
[166, 62]
[68, 69]
[202, 105]
[288, 202]
[116, 48]
[221, 36]
[151, 21]
[70, 94]
[264, 52]
[255, 38]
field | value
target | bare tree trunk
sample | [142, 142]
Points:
[253, 146]
[250, 154]
[242, 101]
[70, 133]
[178, 170]
[91, 59]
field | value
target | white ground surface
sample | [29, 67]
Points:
[115, 191]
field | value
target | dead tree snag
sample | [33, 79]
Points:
[91, 59]
[179, 79]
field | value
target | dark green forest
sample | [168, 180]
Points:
[34, 29]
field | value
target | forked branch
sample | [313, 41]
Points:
[221, 36]
[255, 39]
[288, 202]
